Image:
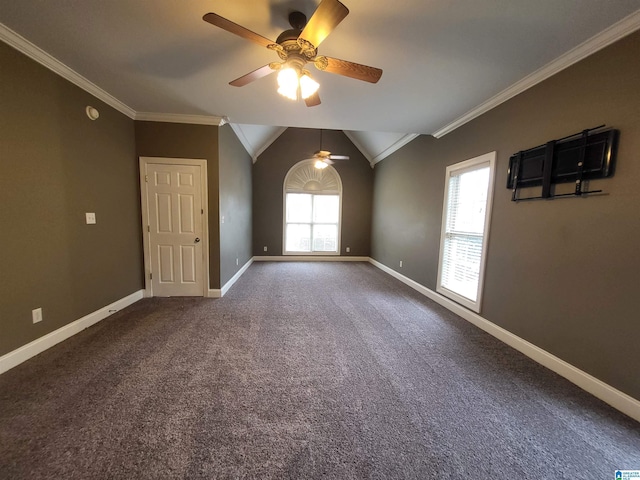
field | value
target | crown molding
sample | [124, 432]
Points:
[244, 141]
[615, 32]
[180, 118]
[359, 146]
[270, 140]
[24, 46]
[251, 150]
[397, 145]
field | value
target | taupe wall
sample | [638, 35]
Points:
[297, 144]
[56, 165]
[177, 140]
[563, 274]
[235, 205]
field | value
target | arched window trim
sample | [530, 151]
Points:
[330, 183]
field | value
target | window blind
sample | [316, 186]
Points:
[464, 230]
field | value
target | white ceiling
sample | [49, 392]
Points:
[444, 62]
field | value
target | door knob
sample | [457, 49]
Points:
[197, 240]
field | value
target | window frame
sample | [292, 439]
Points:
[476, 163]
[337, 191]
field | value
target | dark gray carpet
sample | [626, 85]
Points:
[304, 370]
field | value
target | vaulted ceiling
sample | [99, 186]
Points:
[444, 62]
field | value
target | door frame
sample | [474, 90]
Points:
[146, 237]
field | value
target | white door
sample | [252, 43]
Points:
[175, 215]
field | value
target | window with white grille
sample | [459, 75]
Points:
[465, 227]
[312, 210]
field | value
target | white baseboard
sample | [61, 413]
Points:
[608, 394]
[310, 258]
[225, 288]
[24, 353]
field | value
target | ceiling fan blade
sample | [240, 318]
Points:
[231, 27]
[339, 157]
[326, 17]
[327, 161]
[353, 70]
[313, 100]
[251, 76]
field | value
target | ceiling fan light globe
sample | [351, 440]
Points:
[288, 83]
[308, 86]
[290, 94]
[287, 77]
[320, 164]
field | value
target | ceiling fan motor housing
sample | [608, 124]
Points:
[297, 20]
[288, 36]
[291, 43]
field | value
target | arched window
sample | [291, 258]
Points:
[312, 210]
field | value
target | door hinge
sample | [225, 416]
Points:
[146, 178]
[151, 276]
[202, 211]
[148, 228]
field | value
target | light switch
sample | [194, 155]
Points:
[91, 218]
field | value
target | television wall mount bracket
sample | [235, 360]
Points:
[575, 158]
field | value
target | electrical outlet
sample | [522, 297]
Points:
[348, 249]
[265, 248]
[91, 218]
[400, 263]
[237, 260]
[36, 315]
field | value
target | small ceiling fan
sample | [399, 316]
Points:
[324, 158]
[297, 47]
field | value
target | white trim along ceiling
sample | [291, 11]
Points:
[374, 145]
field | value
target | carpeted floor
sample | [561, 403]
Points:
[303, 370]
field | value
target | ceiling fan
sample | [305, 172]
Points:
[324, 158]
[297, 47]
